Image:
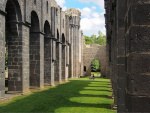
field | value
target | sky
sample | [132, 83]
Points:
[92, 14]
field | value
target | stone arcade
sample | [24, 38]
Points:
[44, 44]
[128, 53]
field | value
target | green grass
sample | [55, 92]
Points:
[80, 95]
[95, 73]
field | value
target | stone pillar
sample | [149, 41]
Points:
[121, 74]
[71, 52]
[63, 62]
[41, 60]
[36, 59]
[138, 56]
[18, 58]
[67, 62]
[2, 56]
[58, 63]
[48, 61]
[52, 61]
[74, 52]
[25, 58]
[77, 50]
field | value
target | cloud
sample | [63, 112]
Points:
[61, 3]
[93, 7]
[98, 2]
[86, 12]
[92, 21]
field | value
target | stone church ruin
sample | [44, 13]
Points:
[45, 46]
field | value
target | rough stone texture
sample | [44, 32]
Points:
[39, 44]
[74, 47]
[128, 61]
[94, 52]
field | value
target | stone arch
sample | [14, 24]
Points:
[34, 51]
[91, 52]
[14, 41]
[35, 23]
[47, 53]
[13, 6]
[63, 38]
[47, 29]
[58, 36]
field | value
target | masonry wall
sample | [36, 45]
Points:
[94, 52]
[39, 43]
[127, 24]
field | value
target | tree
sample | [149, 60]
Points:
[101, 39]
[95, 66]
[88, 40]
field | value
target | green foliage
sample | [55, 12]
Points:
[95, 66]
[101, 39]
[88, 40]
[95, 73]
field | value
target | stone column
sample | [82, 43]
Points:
[18, 58]
[77, 50]
[138, 56]
[63, 62]
[25, 58]
[48, 61]
[2, 56]
[52, 61]
[74, 51]
[67, 62]
[36, 59]
[58, 63]
[121, 74]
[71, 51]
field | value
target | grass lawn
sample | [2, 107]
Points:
[80, 95]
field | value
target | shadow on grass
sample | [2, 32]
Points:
[54, 98]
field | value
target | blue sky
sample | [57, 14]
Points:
[92, 14]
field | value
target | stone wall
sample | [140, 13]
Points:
[128, 61]
[40, 44]
[94, 52]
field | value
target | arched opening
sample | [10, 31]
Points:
[13, 47]
[95, 68]
[84, 68]
[63, 39]
[47, 54]
[34, 51]
[63, 57]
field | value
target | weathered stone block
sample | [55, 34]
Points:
[139, 40]
[140, 14]
[138, 84]
[138, 63]
[137, 104]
